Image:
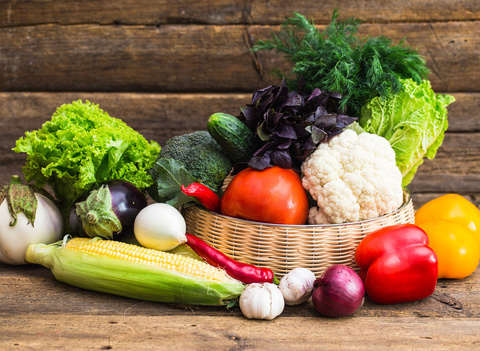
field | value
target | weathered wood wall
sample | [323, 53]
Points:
[164, 66]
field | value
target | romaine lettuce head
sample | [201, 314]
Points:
[414, 121]
[80, 147]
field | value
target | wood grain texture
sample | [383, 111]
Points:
[74, 332]
[36, 310]
[157, 12]
[199, 58]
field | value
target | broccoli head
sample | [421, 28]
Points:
[201, 155]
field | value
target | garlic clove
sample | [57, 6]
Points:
[297, 286]
[261, 301]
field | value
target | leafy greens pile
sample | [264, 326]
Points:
[82, 147]
[337, 60]
[413, 121]
[383, 84]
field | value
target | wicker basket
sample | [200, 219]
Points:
[284, 247]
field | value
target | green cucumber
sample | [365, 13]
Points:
[232, 135]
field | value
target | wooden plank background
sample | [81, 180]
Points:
[60, 316]
[164, 67]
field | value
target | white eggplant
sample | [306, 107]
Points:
[26, 217]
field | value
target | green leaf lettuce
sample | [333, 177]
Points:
[81, 147]
[414, 121]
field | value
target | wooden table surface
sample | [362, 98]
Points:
[39, 313]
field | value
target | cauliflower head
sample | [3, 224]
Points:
[352, 177]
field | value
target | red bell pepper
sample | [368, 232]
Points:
[397, 265]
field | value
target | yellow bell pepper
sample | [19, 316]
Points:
[452, 207]
[456, 248]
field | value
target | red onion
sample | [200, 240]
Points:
[339, 292]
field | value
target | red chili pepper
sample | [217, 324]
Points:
[397, 265]
[244, 272]
[207, 197]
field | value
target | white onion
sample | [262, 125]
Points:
[160, 226]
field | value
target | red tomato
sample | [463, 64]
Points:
[274, 195]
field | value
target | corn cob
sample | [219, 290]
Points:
[136, 272]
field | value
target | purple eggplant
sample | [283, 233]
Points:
[76, 227]
[108, 212]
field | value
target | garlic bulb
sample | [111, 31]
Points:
[261, 301]
[297, 286]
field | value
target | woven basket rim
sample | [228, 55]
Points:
[407, 196]
[282, 247]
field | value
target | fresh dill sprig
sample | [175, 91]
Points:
[338, 60]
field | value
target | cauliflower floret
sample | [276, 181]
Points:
[352, 177]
